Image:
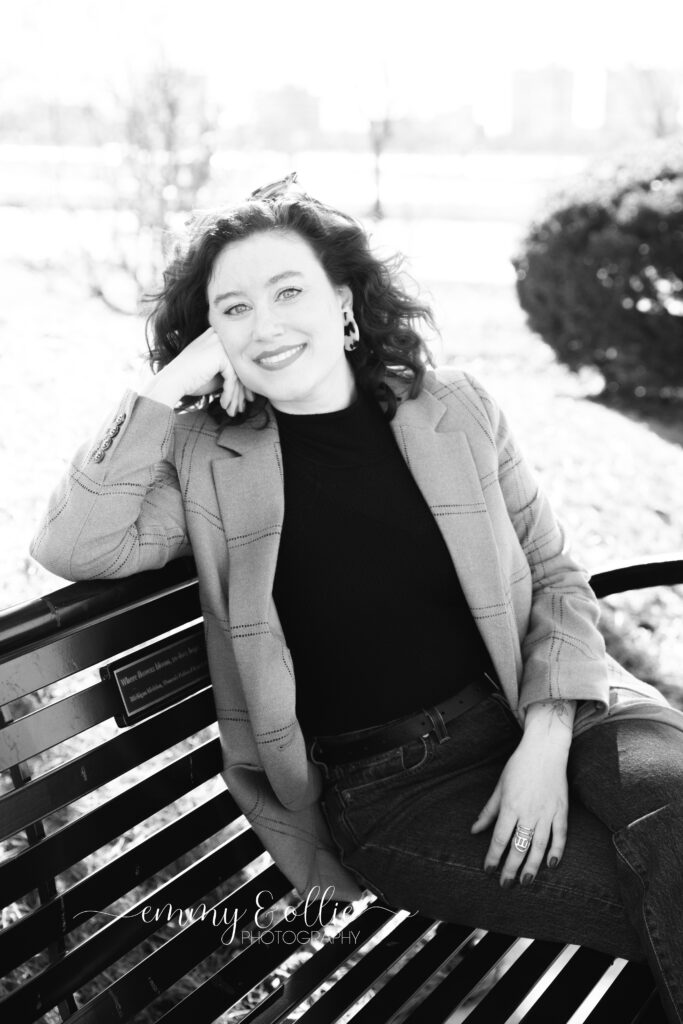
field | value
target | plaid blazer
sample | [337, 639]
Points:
[154, 484]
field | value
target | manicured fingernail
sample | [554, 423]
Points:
[507, 883]
[490, 868]
[553, 862]
[527, 878]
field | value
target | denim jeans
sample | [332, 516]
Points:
[401, 820]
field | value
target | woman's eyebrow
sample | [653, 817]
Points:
[271, 280]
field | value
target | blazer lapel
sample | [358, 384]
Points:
[250, 493]
[251, 501]
[445, 470]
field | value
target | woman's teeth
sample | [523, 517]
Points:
[281, 357]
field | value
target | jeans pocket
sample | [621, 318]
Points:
[379, 770]
[346, 842]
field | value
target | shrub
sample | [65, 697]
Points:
[600, 274]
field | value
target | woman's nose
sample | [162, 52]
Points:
[266, 324]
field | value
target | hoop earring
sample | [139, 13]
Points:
[351, 332]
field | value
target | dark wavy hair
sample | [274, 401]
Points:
[384, 311]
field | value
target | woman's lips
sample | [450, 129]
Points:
[281, 359]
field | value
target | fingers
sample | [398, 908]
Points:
[559, 840]
[488, 813]
[526, 862]
[215, 384]
[502, 833]
[207, 350]
[235, 396]
[232, 397]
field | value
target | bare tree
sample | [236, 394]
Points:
[658, 96]
[380, 133]
[166, 129]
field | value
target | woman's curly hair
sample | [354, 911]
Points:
[384, 311]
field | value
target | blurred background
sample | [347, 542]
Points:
[527, 160]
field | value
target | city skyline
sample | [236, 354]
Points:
[362, 60]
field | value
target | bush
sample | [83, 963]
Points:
[600, 275]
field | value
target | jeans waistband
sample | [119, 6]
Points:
[342, 747]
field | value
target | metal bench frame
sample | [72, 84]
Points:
[59, 959]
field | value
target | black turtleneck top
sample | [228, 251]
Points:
[365, 588]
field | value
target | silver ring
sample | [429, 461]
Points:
[523, 838]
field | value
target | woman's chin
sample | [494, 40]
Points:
[282, 387]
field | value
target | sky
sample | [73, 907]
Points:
[363, 58]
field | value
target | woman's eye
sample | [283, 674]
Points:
[235, 310]
[289, 293]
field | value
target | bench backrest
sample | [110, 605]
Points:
[128, 867]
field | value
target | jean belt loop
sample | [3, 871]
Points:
[438, 724]
[317, 758]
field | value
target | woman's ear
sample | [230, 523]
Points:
[346, 297]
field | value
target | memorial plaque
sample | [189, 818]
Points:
[160, 675]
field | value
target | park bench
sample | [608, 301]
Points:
[91, 877]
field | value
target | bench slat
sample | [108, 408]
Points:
[512, 987]
[631, 988]
[56, 722]
[71, 843]
[103, 887]
[449, 939]
[157, 972]
[33, 622]
[257, 961]
[172, 668]
[442, 943]
[81, 775]
[107, 945]
[311, 974]
[72, 651]
[477, 960]
[571, 986]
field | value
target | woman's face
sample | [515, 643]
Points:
[281, 322]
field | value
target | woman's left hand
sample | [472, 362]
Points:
[531, 792]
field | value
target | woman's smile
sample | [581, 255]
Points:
[278, 358]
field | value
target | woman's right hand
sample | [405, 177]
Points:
[201, 368]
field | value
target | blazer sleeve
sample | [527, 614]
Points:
[563, 652]
[119, 508]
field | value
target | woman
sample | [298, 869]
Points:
[457, 740]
